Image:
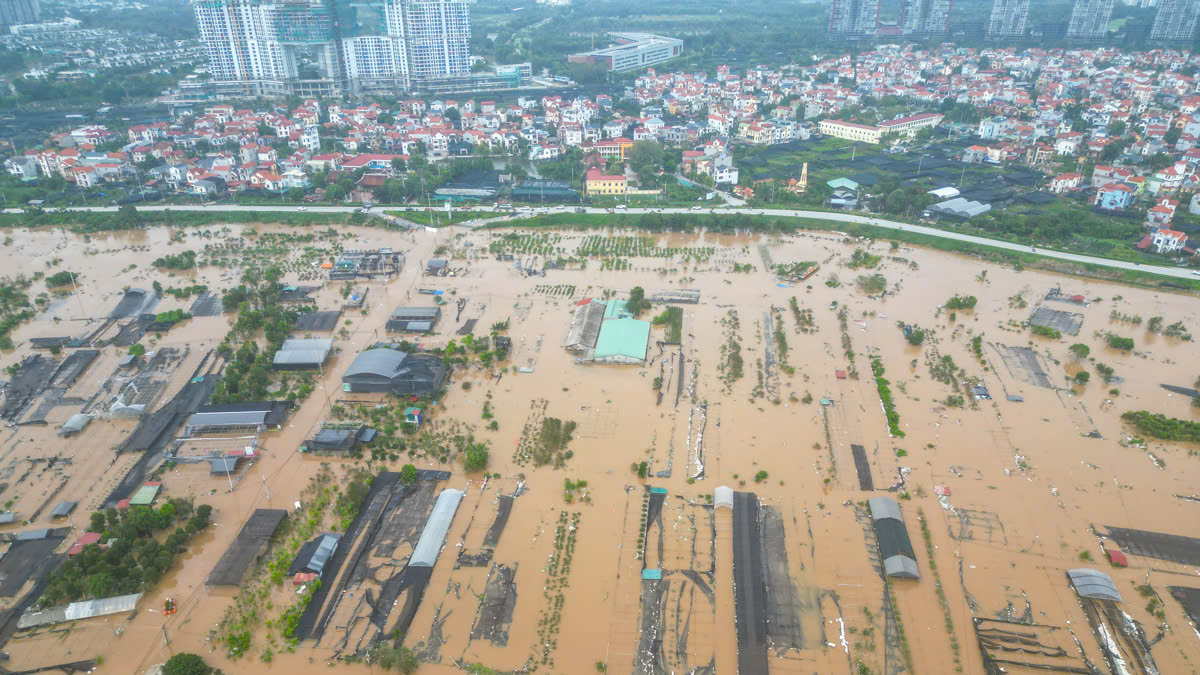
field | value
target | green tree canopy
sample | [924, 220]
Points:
[186, 663]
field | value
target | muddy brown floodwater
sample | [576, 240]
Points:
[1007, 493]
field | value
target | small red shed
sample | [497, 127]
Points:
[1116, 557]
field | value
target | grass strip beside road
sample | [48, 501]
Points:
[95, 221]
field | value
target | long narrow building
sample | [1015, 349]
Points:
[1175, 20]
[1089, 19]
[1009, 19]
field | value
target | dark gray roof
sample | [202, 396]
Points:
[1091, 583]
[275, 411]
[223, 466]
[318, 321]
[376, 363]
[895, 548]
[62, 509]
[883, 507]
[314, 554]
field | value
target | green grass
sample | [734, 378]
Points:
[92, 221]
[440, 218]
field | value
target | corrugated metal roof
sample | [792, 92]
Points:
[899, 559]
[334, 436]
[80, 610]
[292, 357]
[307, 344]
[62, 509]
[222, 465]
[723, 496]
[585, 325]
[625, 338]
[416, 313]
[1091, 583]
[329, 544]
[247, 418]
[616, 309]
[884, 507]
[434, 534]
[76, 423]
[901, 566]
[376, 363]
[144, 496]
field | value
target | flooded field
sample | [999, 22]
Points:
[593, 540]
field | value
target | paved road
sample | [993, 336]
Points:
[1178, 272]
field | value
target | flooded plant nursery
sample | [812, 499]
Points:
[577, 449]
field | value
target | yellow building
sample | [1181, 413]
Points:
[598, 183]
[851, 131]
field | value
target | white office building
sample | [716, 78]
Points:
[631, 51]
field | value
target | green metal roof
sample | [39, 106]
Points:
[622, 337]
[842, 182]
[144, 496]
[615, 309]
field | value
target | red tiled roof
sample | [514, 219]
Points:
[597, 174]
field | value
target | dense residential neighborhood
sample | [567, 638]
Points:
[1115, 132]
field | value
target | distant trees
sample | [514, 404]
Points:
[645, 158]
[62, 278]
[475, 457]
[1160, 426]
[135, 560]
[408, 474]
[966, 302]
[637, 302]
[186, 663]
[1046, 331]
[906, 201]
[1118, 342]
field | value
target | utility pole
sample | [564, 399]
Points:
[74, 288]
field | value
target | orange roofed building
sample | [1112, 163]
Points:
[598, 183]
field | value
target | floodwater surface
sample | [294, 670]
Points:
[1000, 496]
